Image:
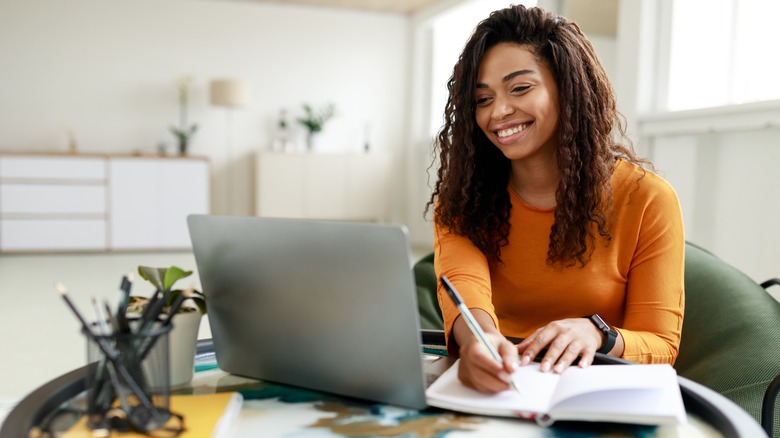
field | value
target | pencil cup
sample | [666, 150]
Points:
[128, 385]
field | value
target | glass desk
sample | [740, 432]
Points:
[279, 410]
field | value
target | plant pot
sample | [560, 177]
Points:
[183, 144]
[312, 141]
[182, 342]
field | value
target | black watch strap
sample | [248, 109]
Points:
[608, 331]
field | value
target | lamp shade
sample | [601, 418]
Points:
[229, 92]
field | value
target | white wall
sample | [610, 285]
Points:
[721, 161]
[728, 186]
[107, 69]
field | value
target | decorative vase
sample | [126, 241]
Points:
[312, 140]
[182, 343]
[183, 144]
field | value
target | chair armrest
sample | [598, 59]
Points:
[771, 282]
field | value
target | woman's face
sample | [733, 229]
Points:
[517, 102]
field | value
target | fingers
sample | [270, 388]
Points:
[565, 341]
[509, 356]
[531, 346]
[479, 370]
[565, 355]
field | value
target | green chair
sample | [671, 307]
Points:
[428, 303]
[730, 337]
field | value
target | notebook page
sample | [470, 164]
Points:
[535, 392]
[576, 380]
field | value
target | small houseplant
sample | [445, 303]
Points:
[183, 338]
[314, 121]
[163, 279]
[184, 131]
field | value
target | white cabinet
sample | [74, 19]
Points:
[323, 186]
[99, 202]
[151, 199]
[52, 203]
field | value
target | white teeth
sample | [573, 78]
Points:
[515, 130]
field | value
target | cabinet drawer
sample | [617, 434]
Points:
[40, 235]
[50, 198]
[151, 200]
[48, 168]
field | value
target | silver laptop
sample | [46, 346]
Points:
[329, 306]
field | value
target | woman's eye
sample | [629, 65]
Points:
[520, 88]
[482, 100]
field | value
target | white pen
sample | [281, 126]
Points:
[472, 323]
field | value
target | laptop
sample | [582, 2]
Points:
[329, 306]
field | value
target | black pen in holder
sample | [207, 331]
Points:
[129, 388]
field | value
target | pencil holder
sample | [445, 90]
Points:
[128, 389]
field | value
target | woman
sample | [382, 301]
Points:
[550, 230]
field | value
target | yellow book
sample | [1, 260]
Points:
[205, 416]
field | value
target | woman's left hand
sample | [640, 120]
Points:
[565, 339]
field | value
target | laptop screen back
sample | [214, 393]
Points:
[329, 306]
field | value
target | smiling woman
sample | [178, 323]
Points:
[552, 231]
[517, 110]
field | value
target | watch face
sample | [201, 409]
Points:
[600, 323]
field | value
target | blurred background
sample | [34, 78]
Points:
[695, 79]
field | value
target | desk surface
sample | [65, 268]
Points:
[280, 410]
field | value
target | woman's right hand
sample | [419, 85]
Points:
[477, 368]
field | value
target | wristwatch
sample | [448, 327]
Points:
[608, 331]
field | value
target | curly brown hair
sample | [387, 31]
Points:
[470, 196]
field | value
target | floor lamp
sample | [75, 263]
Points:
[230, 94]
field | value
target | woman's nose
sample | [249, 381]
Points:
[502, 107]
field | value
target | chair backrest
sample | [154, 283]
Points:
[427, 301]
[731, 332]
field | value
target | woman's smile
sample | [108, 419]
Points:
[507, 135]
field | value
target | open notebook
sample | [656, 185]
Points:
[638, 394]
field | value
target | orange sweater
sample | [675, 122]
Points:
[635, 283]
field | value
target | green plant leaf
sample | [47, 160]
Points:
[200, 300]
[164, 279]
[172, 275]
[196, 296]
[315, 121]
[152, 275]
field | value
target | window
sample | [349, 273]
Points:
[723, 52]
[450, 31]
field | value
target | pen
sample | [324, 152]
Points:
[84, 324]
[177, 302]
[472, 323]
[124, 299]
[110, 354]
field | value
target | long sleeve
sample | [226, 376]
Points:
[634, 280]
[467, 269]
[655, 296]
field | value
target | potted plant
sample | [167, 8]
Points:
[184, 131]
[189, 306]
[163, 279]
[314, 121]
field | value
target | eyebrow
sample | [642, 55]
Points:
[509, 77]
